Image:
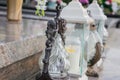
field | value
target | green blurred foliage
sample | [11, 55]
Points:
[107, 8]
[66, 1]
[118, 12]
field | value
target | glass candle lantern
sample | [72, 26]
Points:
[97, 14]
[76, 36]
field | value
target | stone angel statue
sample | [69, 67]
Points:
[58, 60]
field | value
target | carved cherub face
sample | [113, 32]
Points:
[51, 24]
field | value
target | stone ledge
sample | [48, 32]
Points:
[18, 50]
[20, 40]
[20, 47]
[21, 70]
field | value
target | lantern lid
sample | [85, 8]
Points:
[95, 11]
[75, 13]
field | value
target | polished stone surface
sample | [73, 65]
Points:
[111, 70]
[12, 31]
[19, 40]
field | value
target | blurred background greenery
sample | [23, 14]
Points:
[66, 1]
[108, 6]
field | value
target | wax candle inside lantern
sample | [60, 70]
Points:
[73, 48]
